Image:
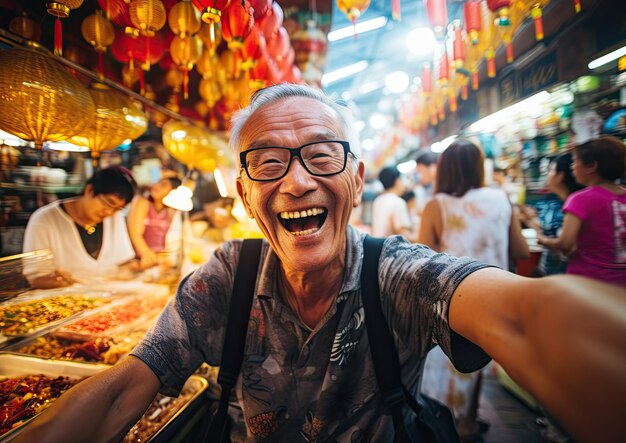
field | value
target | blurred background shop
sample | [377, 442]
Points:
[150, 85]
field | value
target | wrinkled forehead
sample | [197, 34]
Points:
[300, 118]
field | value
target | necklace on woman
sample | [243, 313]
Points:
[89, 229]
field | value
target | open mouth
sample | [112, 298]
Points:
[304, 222]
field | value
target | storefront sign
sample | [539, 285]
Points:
[536, 77]
[539, 75]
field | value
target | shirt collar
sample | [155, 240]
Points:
[266, 283]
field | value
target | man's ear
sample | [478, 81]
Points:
[359, 181]
[244, 197]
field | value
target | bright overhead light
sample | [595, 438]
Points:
[219, 181]
[378, 121]
[360, 28]
[66, 146]
[421, 41]
[344, 72]
[494, 119]
[397, 82]
[368, 144]
[359, 125]
[443, 144]
[407, 166]
[368, 87]
[608, 58]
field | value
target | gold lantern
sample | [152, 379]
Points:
[353, 8]
[25, 27]
[147, 15]
[39, 99]
[60, 9]
[174, 79]
[185, 52]
[98, 31]
[194, 146]
[208, 65]
[210, 91]
[116, 119]
[184, 19]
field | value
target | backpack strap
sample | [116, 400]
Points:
[382, 346]
[236, 330]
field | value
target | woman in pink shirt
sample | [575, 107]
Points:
[594, 225]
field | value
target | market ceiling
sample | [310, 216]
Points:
[379, 52]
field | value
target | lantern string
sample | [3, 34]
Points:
[142, 88]
[186, 83]
[58, 37]
[577, 6]
[148, 52]
[100, 66]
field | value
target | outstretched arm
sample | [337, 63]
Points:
[563, 338]
[566, 241]
[100, 409]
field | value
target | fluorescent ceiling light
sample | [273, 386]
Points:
[608, 58]
[360, 28]
[397, 82]
[368, 87]
[344, 72]
[66, 146]
[219, 181]
[421, 41]
[494, 119]
[443, 144]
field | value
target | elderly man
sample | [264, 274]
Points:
[562, 338]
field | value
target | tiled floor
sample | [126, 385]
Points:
[511, 420]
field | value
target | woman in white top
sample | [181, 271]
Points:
[87, 235]
[465, 218]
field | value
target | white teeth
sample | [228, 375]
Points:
[305, 232]
[299, 214]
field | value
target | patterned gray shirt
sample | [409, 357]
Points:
[297, 385]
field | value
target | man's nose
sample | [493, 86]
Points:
[297, 181]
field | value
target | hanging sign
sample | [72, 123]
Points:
[539, 75]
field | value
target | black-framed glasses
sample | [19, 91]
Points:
[321, 158]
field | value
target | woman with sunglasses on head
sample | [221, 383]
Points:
[86, 235]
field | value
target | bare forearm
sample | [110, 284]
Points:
[572, 344]
[100, 409]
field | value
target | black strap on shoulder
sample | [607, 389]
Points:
[235, 336]
[382, 346]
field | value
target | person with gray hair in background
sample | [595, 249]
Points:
[307, 369]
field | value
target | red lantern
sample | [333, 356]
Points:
[458, 48]
[272, 21]
[577, 6]
[280, 44]
[427, 79]
[395, 10]
[237, 24]
[261, 7]
[116, 11]
[253, 46]
[145, 50]
[444, 70]
[437, 15]
[501, 10]
[211, 9]
[60, 9]
[259, 72]
[473, 20]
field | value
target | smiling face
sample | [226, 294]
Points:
[303, 217]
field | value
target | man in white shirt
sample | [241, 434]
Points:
[390, 213]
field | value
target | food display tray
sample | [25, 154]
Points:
[12, 365]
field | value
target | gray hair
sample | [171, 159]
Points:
[272, 94]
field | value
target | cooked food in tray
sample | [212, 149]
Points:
[21, 398]
[28, 317]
